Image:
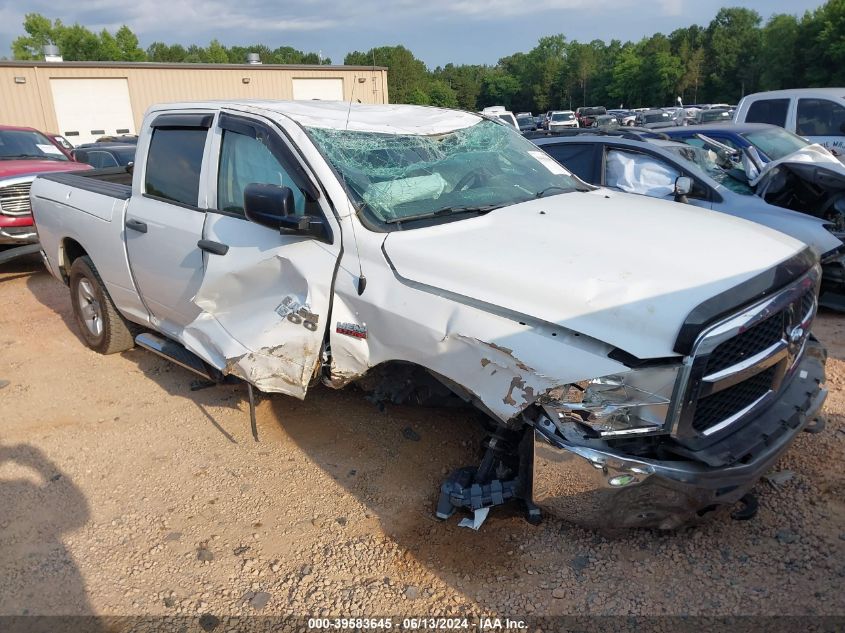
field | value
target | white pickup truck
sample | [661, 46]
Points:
[640, 362]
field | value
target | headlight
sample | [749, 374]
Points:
[622, 404]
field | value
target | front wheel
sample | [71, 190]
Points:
[102, 327]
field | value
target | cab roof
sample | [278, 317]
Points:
[342, 115]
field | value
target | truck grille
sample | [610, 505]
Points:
[753, 341]
[739, 365]
[722, 405]
[14, 199]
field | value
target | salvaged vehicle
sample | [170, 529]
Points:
[817, 114]
[24, 152]
[627, 377]
[782, 168]
[637, 162]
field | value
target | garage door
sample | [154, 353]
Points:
[87, 109]
[323, 89]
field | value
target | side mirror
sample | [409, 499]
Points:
[683, 187]
[273, 206]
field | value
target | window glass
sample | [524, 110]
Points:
[820, 117]
[633, 172]
[576, 157]
[27, 144]
[404, 175]
[101, 160]
[771, 111]
[174, 162]
[775, 142]
[245, 160]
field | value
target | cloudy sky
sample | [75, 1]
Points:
[437, 31]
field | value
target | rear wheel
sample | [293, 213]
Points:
[102, 327]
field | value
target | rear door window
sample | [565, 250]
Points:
[576, 157]
[820, 117]
[101, 160]
[772, 111]
[174, 162]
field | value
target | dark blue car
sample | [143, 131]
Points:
[770, 141]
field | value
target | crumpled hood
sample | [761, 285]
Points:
[624, 269]
[813, 163]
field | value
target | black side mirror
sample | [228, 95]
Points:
[273, 206]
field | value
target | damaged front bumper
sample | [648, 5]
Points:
[600, 488]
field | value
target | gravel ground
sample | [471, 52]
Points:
[124, 492]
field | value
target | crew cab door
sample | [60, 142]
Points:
[265, 294]
[164, 220]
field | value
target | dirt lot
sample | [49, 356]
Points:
[124, 492]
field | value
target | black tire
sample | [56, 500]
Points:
[102, 327]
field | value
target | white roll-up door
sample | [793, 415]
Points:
[87, 109]
[306, 89]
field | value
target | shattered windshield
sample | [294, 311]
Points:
[775, 142]
[733, 177]
[403, 177]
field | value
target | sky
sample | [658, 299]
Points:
[437, 31]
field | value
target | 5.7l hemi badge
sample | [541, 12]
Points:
[352, 329]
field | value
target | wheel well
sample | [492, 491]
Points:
[71, 251]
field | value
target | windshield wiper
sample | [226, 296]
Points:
[29, 156]
[542, 193]
[479, 210]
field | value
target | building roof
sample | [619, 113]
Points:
[182, 66]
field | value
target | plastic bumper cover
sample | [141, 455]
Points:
[607, 489]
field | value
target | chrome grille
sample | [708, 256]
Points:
[724, 404]
[745, 345]
[740, 364]
[14, 199]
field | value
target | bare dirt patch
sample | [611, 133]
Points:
[124, 492]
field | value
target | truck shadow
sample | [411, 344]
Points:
[40, 504]
[393, 459]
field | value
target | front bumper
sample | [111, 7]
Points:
[18, 235]
[608, 489]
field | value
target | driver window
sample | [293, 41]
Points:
[245, 160]
[633, 172]
[820, 117]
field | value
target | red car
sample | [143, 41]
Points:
[25, 153]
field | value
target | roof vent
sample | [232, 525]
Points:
[51, 53]
[253, 58]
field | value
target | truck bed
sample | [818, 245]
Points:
[115, 182]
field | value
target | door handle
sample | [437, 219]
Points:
[215, 248]
[136, 225]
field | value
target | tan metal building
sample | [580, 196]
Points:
[86, 100]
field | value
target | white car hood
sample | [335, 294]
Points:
[624, 269]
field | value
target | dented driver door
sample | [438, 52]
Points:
[265, 295]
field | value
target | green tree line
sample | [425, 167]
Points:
[735, 54]
[78, 43]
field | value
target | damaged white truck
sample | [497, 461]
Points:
[638, 363]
